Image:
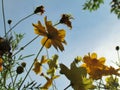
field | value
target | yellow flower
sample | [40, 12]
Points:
[38, 65]
[49, 81]
[53, 65]
[96, 68]
[1, 61]
[91, 62]
[52, 36]
[77, 76]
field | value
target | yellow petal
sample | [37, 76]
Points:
[37, 67]
[61, 34]
[39, 29]
[47, 44]
[1, 61]
[102, 60]
[51, 30]
[47, 84]
[1, 68]
[43, 60]
[57, 44]
[56, 76]
[94, 56]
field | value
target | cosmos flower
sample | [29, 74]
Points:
[52, 36]
[96, 68]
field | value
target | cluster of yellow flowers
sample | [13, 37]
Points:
[96, 68]
[91, 66]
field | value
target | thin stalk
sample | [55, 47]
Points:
[118, 56]
[4, 18]
[32, 64]
[67, 86]
[99, 84]
[11, 76]
[47, 53]
[19, 22]
[15, 80]
[56, 24]
[28, 75]
[22, 48]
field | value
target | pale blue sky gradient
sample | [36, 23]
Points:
[97, 31]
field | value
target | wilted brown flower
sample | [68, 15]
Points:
[66, 20]
[40, 10]
[4, 46]
[19, 70]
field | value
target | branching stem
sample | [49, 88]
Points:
[32, 64]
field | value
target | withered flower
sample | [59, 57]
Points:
[4, 46]
[39, 9]
[65, 19]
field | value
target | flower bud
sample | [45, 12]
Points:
[23, 64]
[117, 48]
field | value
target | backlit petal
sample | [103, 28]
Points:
[37, 67]
[61, 34]
[39, 29]
[93, 55]
[47, 44]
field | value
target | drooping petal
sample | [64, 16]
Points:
[51, 29]
[57, 45]
[48, 42]
[43, 60]
[62, 34]
[37, 67]
[39, 29]
[49, 82]
[102, 60]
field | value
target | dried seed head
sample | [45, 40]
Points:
[40, 10]
[117, 48]
[20, 70]
[9, 21]
[23, 64]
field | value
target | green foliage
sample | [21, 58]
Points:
[92, 5]
[115, 7]
[16, 40]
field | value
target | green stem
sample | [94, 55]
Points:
[67, 86]
[11, 76]
[118, 56]
[28, 75]
[22, 48]
[15, 80]
[4, 17]
[19, 22]
[56, 24]
[32, 64]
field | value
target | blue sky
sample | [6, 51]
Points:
[97, 31]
